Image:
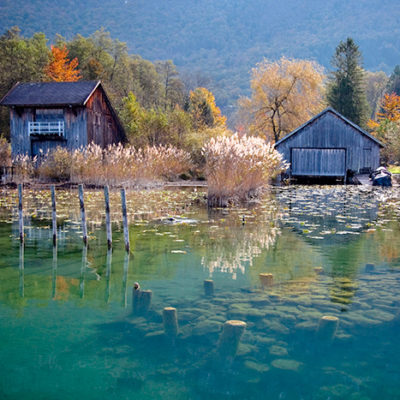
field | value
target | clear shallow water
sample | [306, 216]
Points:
[67, 327]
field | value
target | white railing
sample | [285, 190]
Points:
[46, 128]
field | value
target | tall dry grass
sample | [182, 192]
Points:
[115, 165]
[238, 167]
[5, 152]
[24, 168]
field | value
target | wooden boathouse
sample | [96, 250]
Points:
[69, 114]
[329, 145]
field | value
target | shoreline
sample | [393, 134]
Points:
[139, 186]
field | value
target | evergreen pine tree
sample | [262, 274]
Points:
[394, 81]
[346, 89]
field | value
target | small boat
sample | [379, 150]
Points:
[381, 177]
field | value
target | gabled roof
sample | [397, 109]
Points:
[50, 94]
[331, 110]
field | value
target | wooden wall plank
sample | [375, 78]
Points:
[331, 132]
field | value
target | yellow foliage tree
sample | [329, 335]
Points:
[386, 127]
[203, 109]
[390, 112]
[390, 108]
[60, 68]
[285, 94]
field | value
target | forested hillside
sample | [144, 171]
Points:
[222, 39]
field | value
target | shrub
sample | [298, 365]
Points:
[56, 165]
[237, 167]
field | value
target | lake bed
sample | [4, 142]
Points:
[69, 328]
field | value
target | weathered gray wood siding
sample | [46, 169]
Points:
[75, 120]
[20, 142]
[75, 135]
[319, 162]
[331, 132]
[74, 132]
[40, 147]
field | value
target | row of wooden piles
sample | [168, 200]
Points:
[83, 216]
[232, 330]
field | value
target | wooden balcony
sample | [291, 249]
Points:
[54, 128]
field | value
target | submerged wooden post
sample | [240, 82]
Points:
[230, 338]
[108, 219]
[20, 214]
[170, 319]
[83, 214]
[54, 214]
[266, 279]
[125, 219]
[141, 300]
[327, 327]
[209, 287]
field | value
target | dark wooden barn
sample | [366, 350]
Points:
[68, 114]
[329, 145]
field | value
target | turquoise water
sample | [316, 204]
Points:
[68, 329]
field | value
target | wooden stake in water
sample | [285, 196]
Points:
[141, 300]
[20, 214]
[83, 270]
[230, 337]
[266, 279]
[125, 219]
[21, 270]
[170, 319]
[54, 276]
[327, 327]
[209, 287]
[54, 214]
[108, 219]
[83, 215]
[108, 274]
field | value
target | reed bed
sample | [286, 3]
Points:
[238, 167]
[116, 165]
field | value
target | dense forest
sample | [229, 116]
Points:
[219, 42]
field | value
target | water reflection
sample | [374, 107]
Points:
[54, 272]
[236, 238]
[125, 281]
[98, 348]
[21, 270]
[108, 273]
[83, 271]
[338, 214]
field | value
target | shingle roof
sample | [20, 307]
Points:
[50, 93]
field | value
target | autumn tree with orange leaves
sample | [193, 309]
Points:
[60, 68]
[386, 127]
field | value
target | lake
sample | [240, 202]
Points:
[73, 326]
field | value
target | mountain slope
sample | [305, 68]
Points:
[223, 38]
